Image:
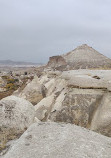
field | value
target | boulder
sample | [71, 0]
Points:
[52, 140]
[34, 91]
[16, 115]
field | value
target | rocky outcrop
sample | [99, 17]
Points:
[54, 140]
[86, 79]
[16, 112]
[34, 91]
[43, 108]
[75, 97]
[16, 115]
[77, 107]
[57, 62]
[101, 121]
[78, 97]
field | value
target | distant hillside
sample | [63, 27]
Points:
[17, 63]
[83, 57]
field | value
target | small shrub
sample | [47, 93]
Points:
[11, 86]
[25, 73]
[5, 77]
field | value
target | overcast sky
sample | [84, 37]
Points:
[34, 30]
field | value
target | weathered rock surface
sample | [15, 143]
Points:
[87, 79]
[80, 97]
[52, 140]
[77, 107]
[75, 97]
[16, 113]
[102, 118]
[43, 108]
[56, 62]
[55, 85]
[34, 92]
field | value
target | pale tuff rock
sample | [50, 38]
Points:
[54, 98]
[34, 91]
[80, 97]
[88, 78]
[58, 102]
[50, 86]
[87, 82]
[44, 79]
[55, 85]
[77, 107]
[74, 97]
[102, 118]
[52, 140]
[43, 108]
[16, 113]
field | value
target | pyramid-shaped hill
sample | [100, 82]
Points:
[86, 57]
[83, 57]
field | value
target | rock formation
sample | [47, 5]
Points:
[79, 97]
[57, 62]
[16, 112]
[52, 140]
[83, 57]
[75, 97]
[101, 122]
[33, 92]
[16, 115]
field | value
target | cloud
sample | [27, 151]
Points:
[33, 30]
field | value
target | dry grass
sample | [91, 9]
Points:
[7, 135]
[5, 94]
[12, 86]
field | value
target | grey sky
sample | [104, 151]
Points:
[33, 30]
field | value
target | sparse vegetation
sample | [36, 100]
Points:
[12, 84]
[7, 135]
[5, 94]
